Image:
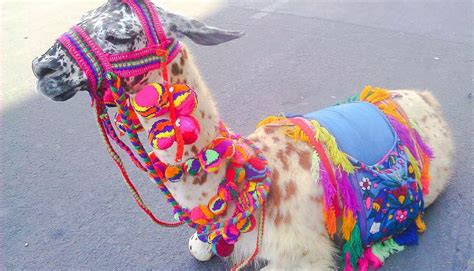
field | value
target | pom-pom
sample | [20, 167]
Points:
[173, 173]
[217, 205]
[221, 248]
[211, 160]
[185, 99]
[151, 101]
[235, 174]
[224, 147]
[230, 234]
[241, 155]
[189, 128]
[246, 224]
[192, 166]
[162, 135]
[255, 169]
[201, 215]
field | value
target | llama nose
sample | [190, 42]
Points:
[41, 68]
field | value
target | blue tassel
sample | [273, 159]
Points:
[408, 237]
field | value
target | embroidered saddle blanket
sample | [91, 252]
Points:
[373, 167]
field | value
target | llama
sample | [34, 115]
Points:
[296, 235]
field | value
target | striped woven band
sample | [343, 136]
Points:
[95, 63]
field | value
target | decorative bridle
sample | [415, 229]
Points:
[104, 74]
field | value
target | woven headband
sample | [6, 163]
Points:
[94, 62]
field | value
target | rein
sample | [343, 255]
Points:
[104, 73]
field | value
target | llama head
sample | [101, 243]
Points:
[116, 29]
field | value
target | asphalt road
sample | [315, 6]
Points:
[63, 204]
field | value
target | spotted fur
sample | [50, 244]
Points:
[295, 235]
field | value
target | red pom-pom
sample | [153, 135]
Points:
[189, 128]
[222, 249]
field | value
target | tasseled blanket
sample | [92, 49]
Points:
[373, 167]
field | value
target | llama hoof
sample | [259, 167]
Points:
[199, 249]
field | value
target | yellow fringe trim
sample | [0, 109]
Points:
[420, 223]
[378, 95]
[416, 166]
[348, 223]
[322, 135]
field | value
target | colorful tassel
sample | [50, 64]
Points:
[353, 247]
[420, 224]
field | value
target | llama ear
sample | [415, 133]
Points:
[196, 31]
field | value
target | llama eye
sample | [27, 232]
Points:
[117, 41]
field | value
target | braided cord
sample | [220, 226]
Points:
[119, 163]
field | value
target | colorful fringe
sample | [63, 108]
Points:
[354, 254]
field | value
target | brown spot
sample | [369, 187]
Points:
[284, 159]
[194, 149]
[203, 115]
[425, 98]
[185, 53]
[278, 219]
[305, 160]
[285, 219]
[204, 194]
[186, 153]
[290, 148]
[188, 197]
[269, 129]
[290, 189]
[276, 138]
[200, 180]
[274, 196]
[185, 81]
[423, 119]
[265, 148]
[209, 116]
[175, 69]
[181, 60]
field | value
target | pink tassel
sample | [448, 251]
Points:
[348, 262]
[363, 264]
[347, 192]
[328, 188]
[374, 262]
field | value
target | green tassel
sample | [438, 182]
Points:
[353, 246]
[384, 249]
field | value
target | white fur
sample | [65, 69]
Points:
[295, 236]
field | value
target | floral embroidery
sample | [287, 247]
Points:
[401, 215]
[365, 184]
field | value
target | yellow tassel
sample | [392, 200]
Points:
[416, 166]
[420, 224]
[338, 157]
[348, 223]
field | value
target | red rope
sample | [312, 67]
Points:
[118, 162]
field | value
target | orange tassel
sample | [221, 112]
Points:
[348, 223]
[425, 175]
[329, 215]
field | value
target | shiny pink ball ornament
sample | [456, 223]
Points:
[189, 128]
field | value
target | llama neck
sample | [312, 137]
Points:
[191, 191]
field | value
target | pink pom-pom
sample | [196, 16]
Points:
[162, 135]
[189, 128]
[185, 99]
